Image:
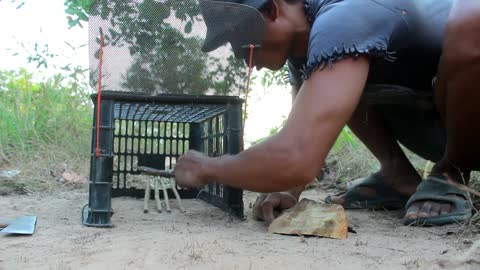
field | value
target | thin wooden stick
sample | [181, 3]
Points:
[147, 196]
[157, 195]
[162, 173]
[165, 196]
[177, 196]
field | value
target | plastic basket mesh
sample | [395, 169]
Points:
[154, 47]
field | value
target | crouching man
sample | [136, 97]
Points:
[340, 47]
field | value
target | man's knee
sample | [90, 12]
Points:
[462, 35]
[460, 59]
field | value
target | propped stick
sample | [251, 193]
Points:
[147, 196]
[177, 196]
[151, 171]
[157, 195]
[165, 195]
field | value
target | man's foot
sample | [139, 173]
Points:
[377, 192]
[437, 202]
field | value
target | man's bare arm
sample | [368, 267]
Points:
[295, 91]
[295, 155]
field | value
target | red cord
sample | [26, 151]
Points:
[99, 96]
[250, 68]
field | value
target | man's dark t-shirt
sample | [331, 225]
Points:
[403, 38]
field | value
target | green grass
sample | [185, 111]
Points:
[54, 115]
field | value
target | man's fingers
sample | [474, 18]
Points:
[258, 214]
[267, 210]
[268, 206]
[259, 200]
[257, 210]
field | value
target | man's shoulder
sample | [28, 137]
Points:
[354, 8]
[395, 9]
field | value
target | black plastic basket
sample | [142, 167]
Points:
[153, 131]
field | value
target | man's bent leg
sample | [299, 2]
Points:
[458, 100]
[396, 171]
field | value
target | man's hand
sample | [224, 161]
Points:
[190, 170]
[269, 206]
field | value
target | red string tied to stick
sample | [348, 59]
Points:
[247, 89]
[99, 96]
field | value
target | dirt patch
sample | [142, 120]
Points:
[12, 186]
[469, 260]
[207, 238]
[39, 175]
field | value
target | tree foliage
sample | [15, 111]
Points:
[77, 11]
[278, 77]
[166, 57]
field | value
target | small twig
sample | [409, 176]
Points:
[165, 196]
[162, 173]
[399, 250]
[157, 195]
[302, 238]
[147, 196]
[177, 196]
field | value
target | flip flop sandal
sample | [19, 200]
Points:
[438, 189]
[385, 196]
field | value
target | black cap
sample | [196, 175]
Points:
[236, 21]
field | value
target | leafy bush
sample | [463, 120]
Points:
[44, 115]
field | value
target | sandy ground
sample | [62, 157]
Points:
[207, 238]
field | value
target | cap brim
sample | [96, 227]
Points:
[212, 43]
[231, 22]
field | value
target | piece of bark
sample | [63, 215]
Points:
[314, 219]
[72, 178]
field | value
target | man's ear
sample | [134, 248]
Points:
[270, 11]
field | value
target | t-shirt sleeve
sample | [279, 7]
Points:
[351, 28]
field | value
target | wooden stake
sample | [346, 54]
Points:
[177, 196]
[157, 195]
[165, 196]
[147, 196]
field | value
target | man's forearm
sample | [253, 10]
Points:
[295, 155]
[225, 168]
[271, 166]
[295, 90]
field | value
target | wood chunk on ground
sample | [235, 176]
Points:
[313, 219]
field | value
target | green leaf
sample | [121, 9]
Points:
[188, 27]
[72, 23]
[71, 11]
[83, 16]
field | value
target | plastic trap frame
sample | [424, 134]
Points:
[153, 131]
[169, 95]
